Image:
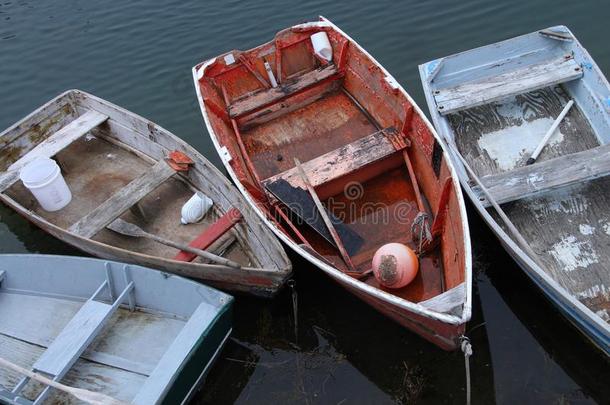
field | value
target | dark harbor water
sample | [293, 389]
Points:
[139, 54]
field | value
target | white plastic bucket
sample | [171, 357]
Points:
[43, 178]
[321, 45]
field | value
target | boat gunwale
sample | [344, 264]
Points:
[276, 276]
[383, 296]
[565, 301]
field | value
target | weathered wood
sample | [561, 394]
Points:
[450, 301]
[341, 161]
[265, 97]
[525, 79]
[129, 229]
[62, 138]
[522, 117]
[156, 142]
[53, 144]
[548, 175]
[569, 227]
[74, 338]
[112, 208]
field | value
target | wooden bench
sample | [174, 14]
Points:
[53, 144]
[266, 97]
[547, 175]
[527, 78]
[342, 161]
[78, 334]
[122, 200]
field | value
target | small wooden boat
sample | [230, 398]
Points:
[119, 165]
[321, 141]
[529, 119]
[137, 335]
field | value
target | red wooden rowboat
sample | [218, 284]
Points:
[294, 128]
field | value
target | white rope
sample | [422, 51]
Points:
[293, 287]
[421, 221]
[467, 349]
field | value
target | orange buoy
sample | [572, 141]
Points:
[395, 265]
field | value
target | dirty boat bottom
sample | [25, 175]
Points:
[379, 209]
[569, 229]
[95, 169]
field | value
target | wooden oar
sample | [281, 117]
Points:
[90, 397]
[549, 133]
[325, 217]
[126, 228]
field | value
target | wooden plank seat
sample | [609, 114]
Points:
[78, 334]
[547, 175]
[122, 200]
[343, 160]
[491, 88]
[221, 226]
[265, 97]
[53, 144]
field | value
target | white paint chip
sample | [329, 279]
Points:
[572, 254]
[586, 229]
[510, 145]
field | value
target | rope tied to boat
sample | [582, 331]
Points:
[467, 350]
[293, 290]
[420, 229]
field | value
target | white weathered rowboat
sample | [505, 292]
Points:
[134, 334]
[368, 154]
[494, 105]
[119, 165]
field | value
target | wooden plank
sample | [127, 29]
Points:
[74, 338]
[122, 200]
[84, 374]
[448, 301]
[221, 226]
[527, 78]
[548, 175]
[265, 97]
[62, 138]
[341, 161]
[53, 144]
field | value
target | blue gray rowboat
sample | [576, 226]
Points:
[493, 105]
[139, 335]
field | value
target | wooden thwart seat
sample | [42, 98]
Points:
[78, 334]
[122, 200]
[342, 161]
[54, 144]
[527, 78]
[547, 175]
[266, 97]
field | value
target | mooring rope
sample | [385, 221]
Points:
[467, 350]
[421, 220]
[293, 289]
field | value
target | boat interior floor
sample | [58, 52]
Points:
[95, 168]
[378, 207]
[568, 227]
[110, 364]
